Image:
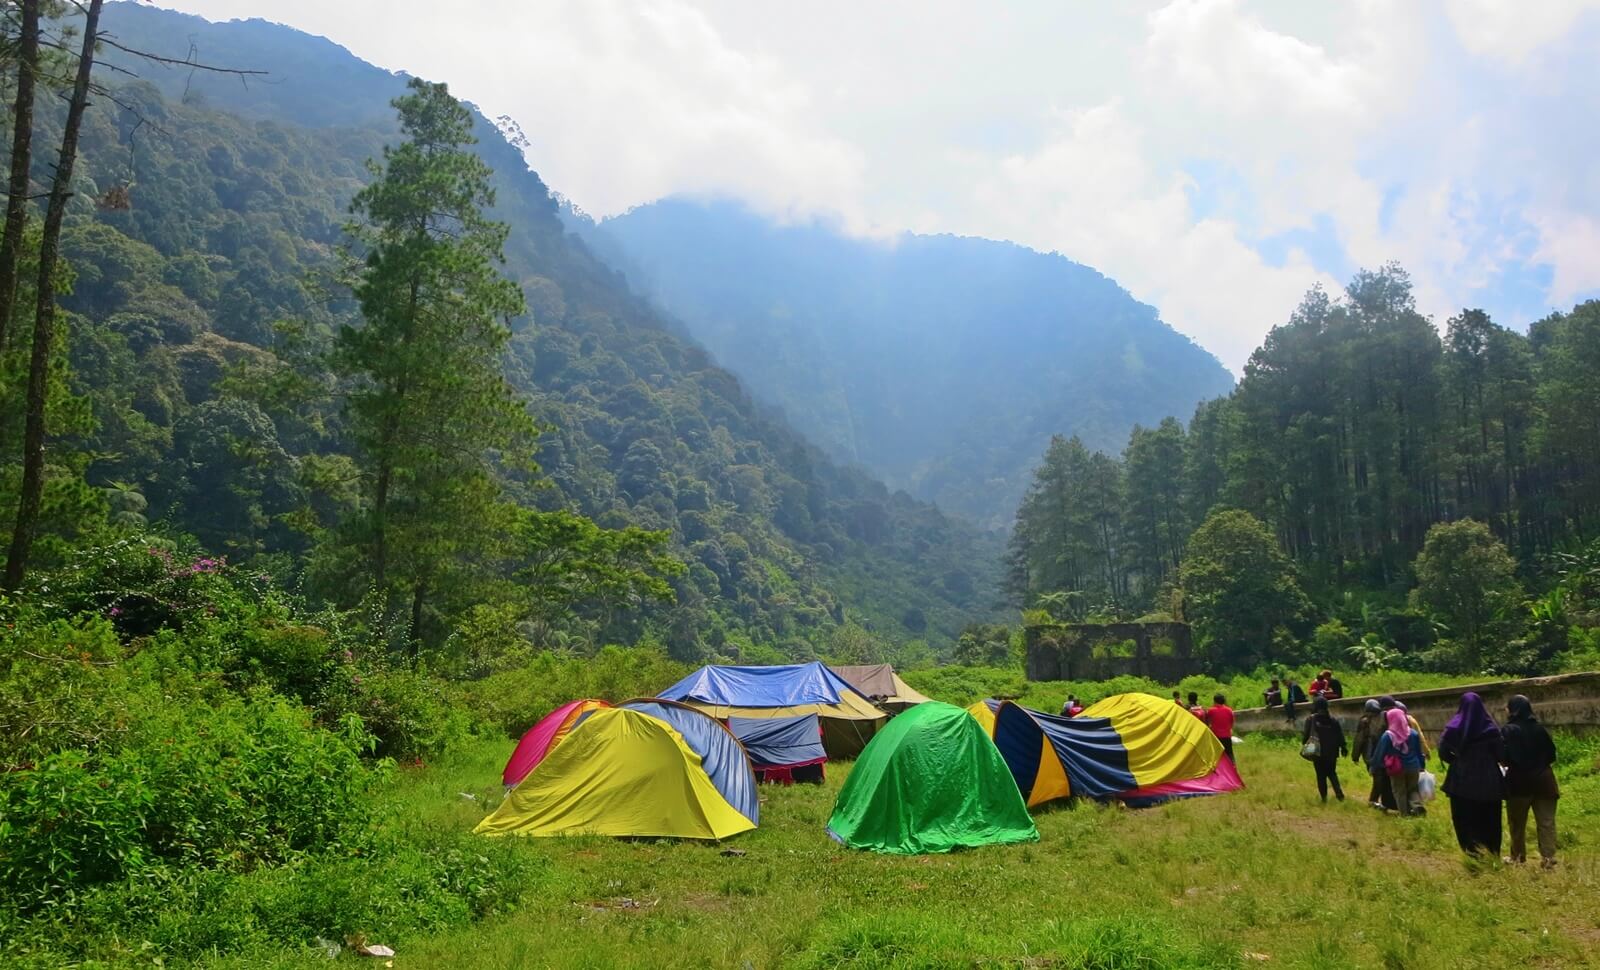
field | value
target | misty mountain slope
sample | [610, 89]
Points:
[941, 363]
[234, 210]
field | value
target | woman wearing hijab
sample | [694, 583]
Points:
[1530, 757]
[1471, 746]
[1387, 703]
[1368, 730]
[1399, 756]
[1330, 745]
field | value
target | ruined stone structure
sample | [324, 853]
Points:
[1569, 701]
[1097, 651]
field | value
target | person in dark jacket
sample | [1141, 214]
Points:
[1472, 747]
[1293, 694]
[1529, 756]
[1368, 730]
[1330, 741]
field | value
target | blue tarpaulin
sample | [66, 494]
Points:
[789, 685]
[775, 742]
[719, 753]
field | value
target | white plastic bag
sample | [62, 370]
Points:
[1426, 786]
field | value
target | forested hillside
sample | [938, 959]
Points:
[205, 240]
[1357, 433]
[943, 364]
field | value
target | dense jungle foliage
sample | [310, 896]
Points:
[1403, 489]
[208, 295]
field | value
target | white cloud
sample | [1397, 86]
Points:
[1510, 30]
[623, 101]
[1165, 142]
[1091, 194]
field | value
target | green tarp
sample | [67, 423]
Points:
[930, 781]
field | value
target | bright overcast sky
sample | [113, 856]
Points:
[1216, 157]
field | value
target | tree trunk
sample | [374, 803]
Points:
[417, 595]
[21, 159]
[45, 314]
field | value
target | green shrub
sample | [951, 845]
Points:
[392, 886]
[512, 701]
[237, 785]
[60, 684]
[404, 710]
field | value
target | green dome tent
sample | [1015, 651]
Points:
[930, 781]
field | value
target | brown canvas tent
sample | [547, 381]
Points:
[882, 684]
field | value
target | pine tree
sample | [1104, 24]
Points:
[430, 409]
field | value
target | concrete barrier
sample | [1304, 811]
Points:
[1569, 701]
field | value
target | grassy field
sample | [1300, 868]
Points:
[1267, 876]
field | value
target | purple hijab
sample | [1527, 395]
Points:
[1472, 722]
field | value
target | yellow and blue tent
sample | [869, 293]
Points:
[619, 772]
[1123, 745]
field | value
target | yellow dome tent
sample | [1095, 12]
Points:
[618, 773]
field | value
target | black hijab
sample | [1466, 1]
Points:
[1528, 746]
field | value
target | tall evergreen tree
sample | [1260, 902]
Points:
[429, 407]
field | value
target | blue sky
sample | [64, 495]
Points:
[1216, 157]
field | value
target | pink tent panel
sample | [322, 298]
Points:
[542, 737]
[1224, 779]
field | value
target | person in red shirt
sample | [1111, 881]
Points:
[1319, 685]
[1220, 720]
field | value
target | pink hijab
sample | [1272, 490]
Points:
[1399, 728]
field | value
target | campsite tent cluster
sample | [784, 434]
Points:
[930, 779]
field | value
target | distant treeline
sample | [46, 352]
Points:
[1355, 428]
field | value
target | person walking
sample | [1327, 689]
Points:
[1472, 747]
[1529, 756]
[1194, 706]
[1387, 703]
[1368, 730]
[1220, 720]
[1399, 756]
[1330, 747]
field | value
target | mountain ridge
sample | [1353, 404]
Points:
[941, 363]
[233, 211]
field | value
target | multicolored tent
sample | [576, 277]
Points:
[930, 781]
[882, 684]
[543, 736]
[721, 755]
[1131, 746]
[779, 747]
[848, 718]
[619, 772]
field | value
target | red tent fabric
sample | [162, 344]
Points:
[542, 737]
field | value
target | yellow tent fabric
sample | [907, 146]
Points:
[851, 707]
[881, 683]
[1164, 741]
[981, 713]
[846, 726]
[619, 773]
[1051, 781]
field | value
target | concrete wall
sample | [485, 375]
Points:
[1569, 701]
[1066, 651]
